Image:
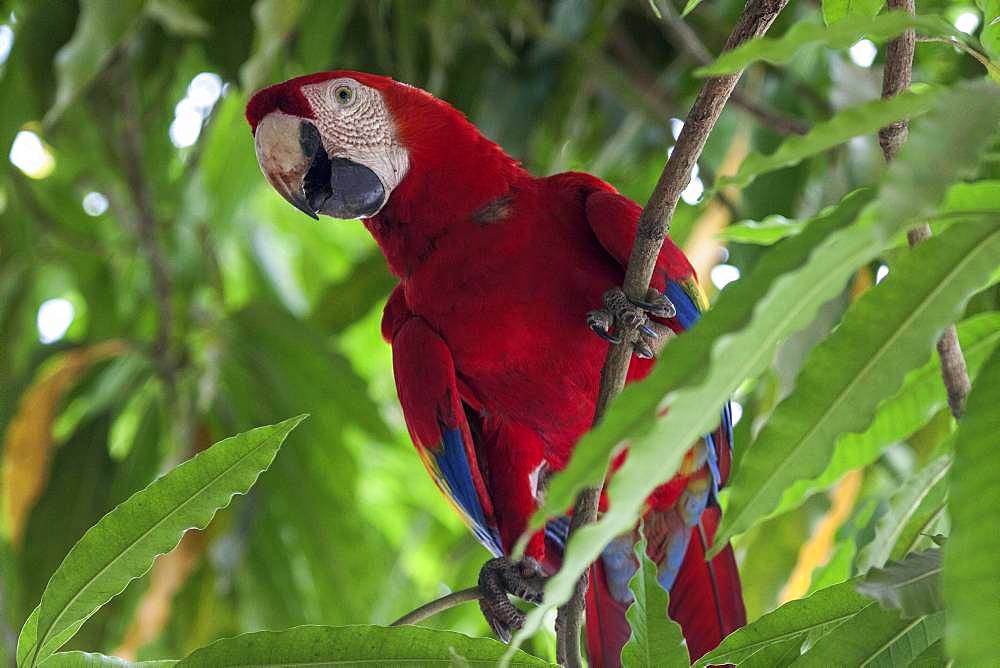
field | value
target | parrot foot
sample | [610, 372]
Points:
[500, 577]
[631, 319]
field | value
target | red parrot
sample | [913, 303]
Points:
[500, 272]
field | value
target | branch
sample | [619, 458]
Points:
[757, 17]
[439, 605]
[146, 230]
[896, 78]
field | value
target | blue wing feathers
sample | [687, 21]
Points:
[453, 461]
[687, 311]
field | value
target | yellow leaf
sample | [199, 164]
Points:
[27, 446]
[817, 550]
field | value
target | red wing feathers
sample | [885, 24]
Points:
[435, 416]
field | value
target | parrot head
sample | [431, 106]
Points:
[351, 145]
[329, 142]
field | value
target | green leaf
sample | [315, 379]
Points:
[780, 50]
[863, 119]
[88, 659]
[875, 637]
[764, 233]
[656, 639]
[902, 507]
[791, 624]
[920, 398]
[124, 543]
[837, 10]
[890, 330]
[178, 17]
[351, 646]
[971, 586]
[927, 521]
[912, 585]
[989, 36]
[742, 332]
[981, 197]
[690, 6]
[102, 26]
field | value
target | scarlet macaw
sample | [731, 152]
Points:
[496, 372]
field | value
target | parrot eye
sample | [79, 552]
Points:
[344, 95]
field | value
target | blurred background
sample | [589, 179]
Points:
[157, 296]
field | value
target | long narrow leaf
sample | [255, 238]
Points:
[354, 645]
[911, 585]
[889, 331]
[125, 542]
[921, 396]
[903, 505]
[971, 585]
[779, 50]
[863, 119]
[875, 637]
[92, 660]
[762, 233]
[100, 29]
[790, 624]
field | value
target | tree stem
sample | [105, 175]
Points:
[896, 78]
[654, 224]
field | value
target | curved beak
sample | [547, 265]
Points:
[282, 142]
[291, 155]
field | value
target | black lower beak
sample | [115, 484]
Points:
[342, 188]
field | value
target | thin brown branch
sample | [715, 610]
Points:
[691, 45]
[147, 233]
[439, 605]
[654, 224]
[896, 78]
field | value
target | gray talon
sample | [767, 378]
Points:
[648, 331]
[500, 577]
[643, 350]
[657, 304]
[601, 322]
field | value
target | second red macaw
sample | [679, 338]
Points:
[500, 273]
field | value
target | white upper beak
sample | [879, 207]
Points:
[281, 158]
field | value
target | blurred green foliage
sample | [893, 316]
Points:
[139, 205]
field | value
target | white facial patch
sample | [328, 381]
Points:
[359, 129]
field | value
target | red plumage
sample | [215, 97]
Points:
[496, 369]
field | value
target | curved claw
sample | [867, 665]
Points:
[499, 577]
[607, 336]
[643, 349]
[657, 304]
[600, 321]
